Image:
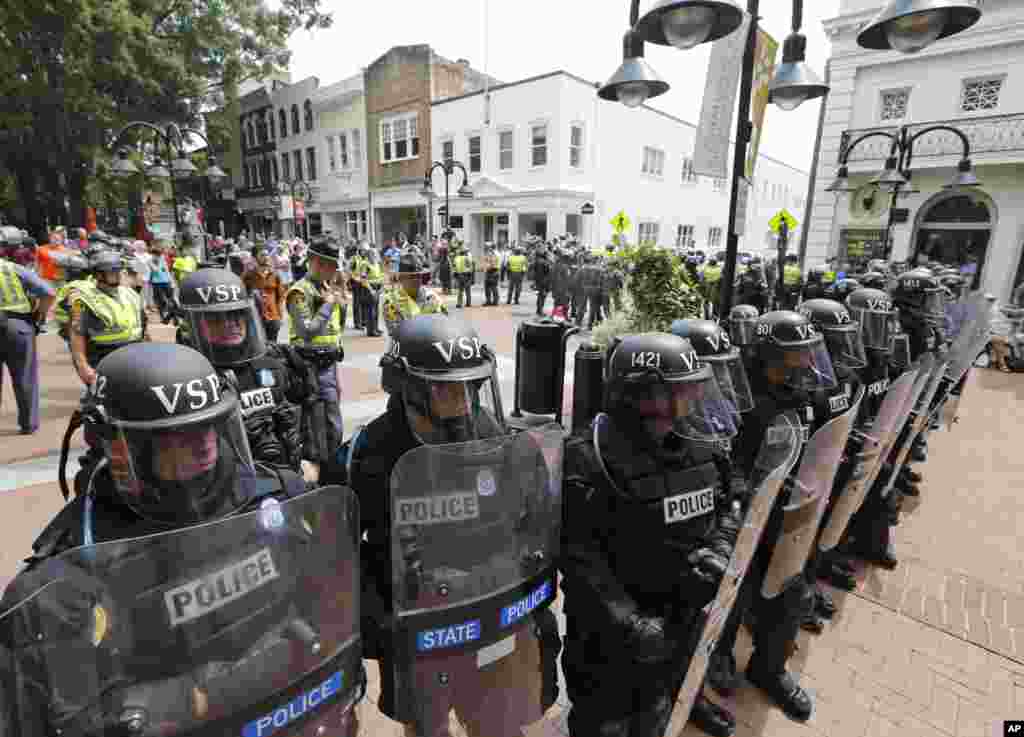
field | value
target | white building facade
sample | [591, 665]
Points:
[539, 149]
[965, 81]
[297, 157]
[343, 201]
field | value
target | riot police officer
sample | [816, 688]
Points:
[225, 326]
[105, 318]
[921, 302]
[541, 269]
[77, 276]
[792, 281]
[175, 456]
[464, 270]
[790, 370]
[814, 287]
[443, 391]
[742, 326]
[641, 556]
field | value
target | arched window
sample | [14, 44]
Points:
[270, 124]
[250, 133]
[308, 114]
[295, 120]
[956, 230]
[282, 122]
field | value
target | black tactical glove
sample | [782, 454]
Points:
[647, 641]
[723, 539]
[409, 544]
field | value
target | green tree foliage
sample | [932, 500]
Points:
[660, 289]
[72, 72]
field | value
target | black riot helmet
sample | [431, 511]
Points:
[447, 379]
[76, 266]
[919, 295]
[743, 324]
[842, 334]
[223, 322]
[792, 353]
[873, 280]
[712, 343]
[657, 382]
[872, 310]
[842, 289]
[171, 432]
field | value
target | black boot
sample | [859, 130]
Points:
[711, 718]
[911, 475]
[885, 558]
[722, 675]
[919, 453]
[812, 623]
[908, 487]
[781, 687]
[824, 604]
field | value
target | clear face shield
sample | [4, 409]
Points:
[934, 306]
[743, 332]
[846, 348]
[800, 367]
[181, 474]
[732, 379]
[875, 328]
[441, 412]
[900, 349]
[690, 410]
[228, 336]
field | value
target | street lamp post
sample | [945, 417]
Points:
[448, 167]
[897, 173]
[173, 139]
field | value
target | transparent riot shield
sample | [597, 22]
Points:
[875, 442]
[919, 418]
[974, 334]
[777, 456]
[475, 535]
[809, 492]
[246, 626]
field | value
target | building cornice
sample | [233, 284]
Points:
[987, 36]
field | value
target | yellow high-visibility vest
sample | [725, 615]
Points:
[121, 314]
[13, 297]
[331, 335]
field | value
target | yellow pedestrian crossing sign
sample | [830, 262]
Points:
[782, 215]
[620, 222]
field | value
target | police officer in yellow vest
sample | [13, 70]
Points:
[492, 272]
[314, 311]
[792, 282]
[463, 268]
[184, 264]
[104, 318]
[371, 280]
[25, 298]
[408, 296]
[76, 270]
[516, 271]
[712, 282]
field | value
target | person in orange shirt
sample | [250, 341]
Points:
[265, 284]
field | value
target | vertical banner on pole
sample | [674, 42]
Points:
[764, 67]
[711, 149]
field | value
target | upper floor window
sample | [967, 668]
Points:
[399, 139]
[714, 237]
[647, 233]
[332, 157]
[539, 145]
[654, 161]
[684, 236]
[286, 167]
[273, 170]
[295, 120]
[576, 146]
[307, 108]
[311, 163]
[689, 175]
[981, 94]
[893, 104]
[282, 122]
[474, 154]
[261, 129]
[448, 151]
[270, 125]
[506, 149]
[297, 164]
[357, 149]
[346, 162]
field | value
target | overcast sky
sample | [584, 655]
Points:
[525, 38]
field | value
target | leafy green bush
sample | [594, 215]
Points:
[660, 289]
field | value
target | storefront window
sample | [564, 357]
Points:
[956, 232]
[858, 246]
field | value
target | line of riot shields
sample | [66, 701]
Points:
[163, 635]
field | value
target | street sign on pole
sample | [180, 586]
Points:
[782, 216]
[620, 222]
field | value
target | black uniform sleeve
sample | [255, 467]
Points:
[588, 518]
